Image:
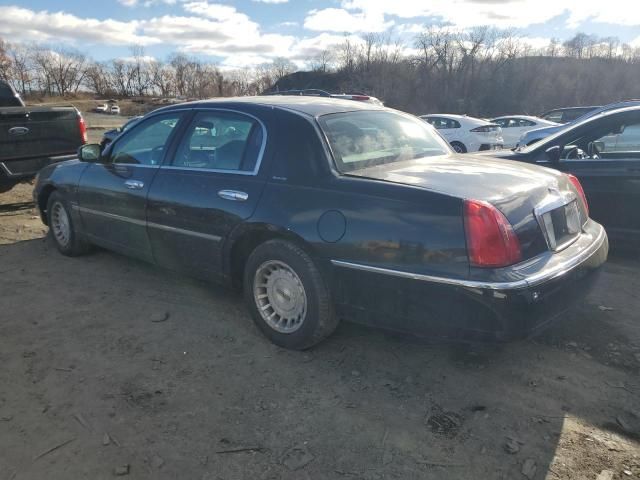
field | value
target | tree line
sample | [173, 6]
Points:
[481, 71]
[52, 71]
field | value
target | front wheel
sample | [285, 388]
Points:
[287, 296]
[62, 229]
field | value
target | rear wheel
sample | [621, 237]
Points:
[287, 296]
[61, 227]
[459, 147]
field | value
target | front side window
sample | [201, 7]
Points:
[367, 138]
[609, 138]
[220, 140]
[145, 143]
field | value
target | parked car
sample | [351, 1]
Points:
[321, 209]
[114, 110]
[32, 137]
[312, 92]
[110, 135]
[102, 108]
[603, 151]
[514, 126]
[467, 134]
[532, 136]
[566, 114]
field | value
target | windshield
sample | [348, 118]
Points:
[366, 138]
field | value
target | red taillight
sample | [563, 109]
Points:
[491, 241]
[360, 97]
[82, 126]
[578, 187]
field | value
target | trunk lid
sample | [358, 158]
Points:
[522, 192]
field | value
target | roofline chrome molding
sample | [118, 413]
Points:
[530, 281]
[144, 223]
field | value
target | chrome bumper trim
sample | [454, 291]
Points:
[531, 281]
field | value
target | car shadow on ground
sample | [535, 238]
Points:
[166, 375]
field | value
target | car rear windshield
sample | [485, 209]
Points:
[364, 139]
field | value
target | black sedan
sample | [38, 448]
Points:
[603, 151]
[322, 209]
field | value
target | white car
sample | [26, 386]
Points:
[114, 110]
[102, 108]
[467, 134]
[514, 126]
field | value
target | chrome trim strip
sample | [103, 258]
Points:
[530, 281]
[112, 216]
[191, 233]
[143, 223]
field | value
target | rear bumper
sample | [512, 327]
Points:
[513, 304]
[28, 167]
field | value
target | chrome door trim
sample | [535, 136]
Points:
[143, 223]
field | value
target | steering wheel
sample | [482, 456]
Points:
[574, 153]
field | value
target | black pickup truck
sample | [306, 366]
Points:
[32, 137]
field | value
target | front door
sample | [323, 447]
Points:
[112, 194]
[207, 186]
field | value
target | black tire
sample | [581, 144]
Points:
[318, 320]
[73, 245]
[459, 147]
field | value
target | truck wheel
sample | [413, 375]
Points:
[287, 296]
[61, 227]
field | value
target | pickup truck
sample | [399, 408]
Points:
[32, 137]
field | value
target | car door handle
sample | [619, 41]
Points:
[234, 195]
[134, 184]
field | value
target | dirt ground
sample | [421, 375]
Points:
[92, 386]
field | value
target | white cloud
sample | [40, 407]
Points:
[146, 3]
[470, 13]
[21, 24]
[342, 20]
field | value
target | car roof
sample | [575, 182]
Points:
[313, 106]
[461, 118]
[526, 117]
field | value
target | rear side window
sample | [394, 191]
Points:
[219, 140]
[553, 117]
[443, 123]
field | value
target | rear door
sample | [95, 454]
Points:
[611, 176]
[112, 194]
[208, 185]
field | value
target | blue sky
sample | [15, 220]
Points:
[249, 32]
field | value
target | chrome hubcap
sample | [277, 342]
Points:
[280, 296]
[60, 224]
